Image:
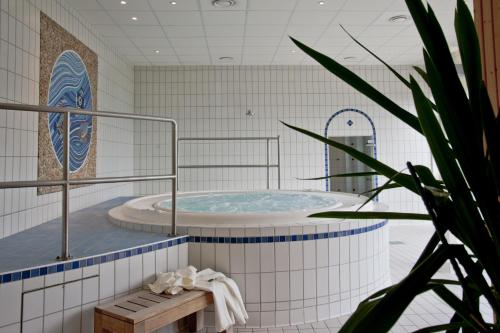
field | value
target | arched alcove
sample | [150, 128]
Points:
[351, 125]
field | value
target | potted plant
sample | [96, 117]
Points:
[463, 134]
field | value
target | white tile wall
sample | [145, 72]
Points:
[19, 76]
[10, 308]
[311, 286]
[212, 101]
[68, 307]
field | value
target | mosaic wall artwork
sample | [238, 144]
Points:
[68, 78]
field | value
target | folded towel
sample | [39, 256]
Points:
[228, 303]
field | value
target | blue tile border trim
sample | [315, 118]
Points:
[286, 238]
[109, 257]
[89, 261]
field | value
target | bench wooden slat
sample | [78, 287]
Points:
[119, 313]
[152, 297]
[145, 312]
[141, 301]
[131, 306]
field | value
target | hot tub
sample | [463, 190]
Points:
[291, 269]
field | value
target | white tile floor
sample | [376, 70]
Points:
[407, 241]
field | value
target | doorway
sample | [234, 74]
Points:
[355, 128]
[340, 162]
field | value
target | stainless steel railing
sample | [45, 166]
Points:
[257, 138]
[66, 182]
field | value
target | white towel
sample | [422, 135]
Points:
[228, 303]
[188, 276]
[166, 282]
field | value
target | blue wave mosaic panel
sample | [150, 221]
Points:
[70, 87]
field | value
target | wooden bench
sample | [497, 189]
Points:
[145, 311]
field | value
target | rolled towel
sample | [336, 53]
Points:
[188, 277]
[163, 282]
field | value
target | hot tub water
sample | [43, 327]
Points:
[252, 202]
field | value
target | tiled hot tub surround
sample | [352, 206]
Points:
[300, 273]
[61, 297]
[287, 275]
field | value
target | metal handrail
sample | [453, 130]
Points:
[230, 138]
[237, 138]
[66, 182]
[212, 166]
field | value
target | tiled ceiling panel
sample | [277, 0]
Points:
[255, 32]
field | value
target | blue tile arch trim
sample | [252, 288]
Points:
[374, 135]
[52, 268]
[285, 238]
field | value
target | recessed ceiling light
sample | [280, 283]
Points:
[173, 3]
[350, 58]
[321, 3]
[398, 18]
[293, 51]
[223, 3]
[156, 51]
[134, 18]
[123, 2]
[226, 58]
